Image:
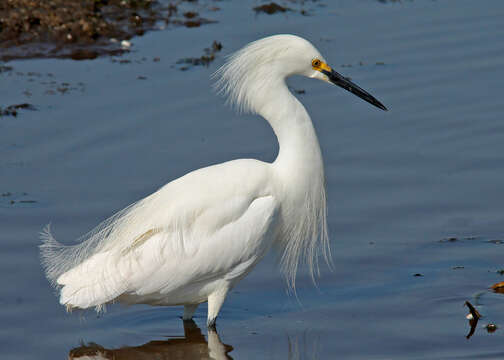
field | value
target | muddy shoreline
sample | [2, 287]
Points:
[89, 28]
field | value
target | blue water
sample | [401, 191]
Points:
[398, 182]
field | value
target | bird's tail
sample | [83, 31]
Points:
[57, 258]
[81, 285]
[51, 254]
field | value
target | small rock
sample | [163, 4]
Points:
[491, 328]
[125, 44]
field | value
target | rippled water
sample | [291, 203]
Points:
[400, 184]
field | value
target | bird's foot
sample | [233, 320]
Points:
[185, 319]
[211, 324]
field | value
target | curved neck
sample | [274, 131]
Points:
[299, 148]
[300, 184]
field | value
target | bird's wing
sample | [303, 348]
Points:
[168, 261]
[207, 224]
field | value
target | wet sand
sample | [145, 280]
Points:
[415, 194]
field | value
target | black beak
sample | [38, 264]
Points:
[346, 84]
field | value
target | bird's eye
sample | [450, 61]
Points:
[315, 63]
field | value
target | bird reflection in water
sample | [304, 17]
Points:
[193, 346]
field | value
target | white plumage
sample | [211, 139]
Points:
[193, 239]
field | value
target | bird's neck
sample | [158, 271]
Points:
[300, 182]
[299, 149]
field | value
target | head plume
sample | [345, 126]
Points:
[251, 72]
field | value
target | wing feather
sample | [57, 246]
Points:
[159, 262]
[171, 232]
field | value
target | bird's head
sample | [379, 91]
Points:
[300, 57]
[253, 69]
[321, 70]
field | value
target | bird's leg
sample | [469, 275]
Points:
[215, 301]
[189, 311]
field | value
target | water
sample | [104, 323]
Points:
[399, 182]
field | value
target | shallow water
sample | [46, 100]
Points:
[399, 183]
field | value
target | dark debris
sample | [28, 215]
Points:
[204, 60]
[12, 110]
[491, 328]
[270, 9]
[4, 68]
[15, 198]
[496, 241]
[303, 7]
[498, 287]
[473, 320]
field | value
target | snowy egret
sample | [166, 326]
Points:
[192, 240]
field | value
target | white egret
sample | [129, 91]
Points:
[192, 240]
